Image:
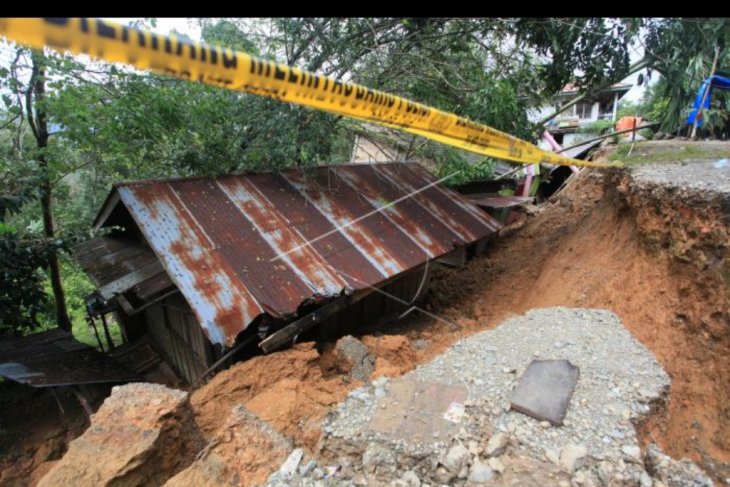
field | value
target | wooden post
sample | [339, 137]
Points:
[633, 133]
[107, 335]
[92, 323]
[705, 94]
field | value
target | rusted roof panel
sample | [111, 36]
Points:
[498, 201]
[119, 265]
[55, 358]
[239, 246]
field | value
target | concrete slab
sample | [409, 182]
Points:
[545, 389]
[419, 411]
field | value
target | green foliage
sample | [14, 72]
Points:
[455, 166]
[682, 51]
[599, 127]
[590, 52]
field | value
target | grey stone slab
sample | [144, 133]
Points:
[545, 389]
[416, 411]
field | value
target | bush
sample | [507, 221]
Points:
[599, 127]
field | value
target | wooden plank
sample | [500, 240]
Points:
[123, 283]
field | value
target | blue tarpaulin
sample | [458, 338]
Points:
[715, 81]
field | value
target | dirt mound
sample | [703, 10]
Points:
[656, 256]
[141, 435]
[245, 452]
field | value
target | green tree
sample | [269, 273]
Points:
[682, 51]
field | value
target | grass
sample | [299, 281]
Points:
[644, 153]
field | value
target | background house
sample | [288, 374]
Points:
[565, 127]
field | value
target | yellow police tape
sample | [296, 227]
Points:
[239, 71]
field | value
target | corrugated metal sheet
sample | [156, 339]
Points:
[238, 246]
[119, 265]
[499, 201]
[55, 358]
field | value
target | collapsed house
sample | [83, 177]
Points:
[199, 265]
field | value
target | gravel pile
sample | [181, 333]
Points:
[620, 382]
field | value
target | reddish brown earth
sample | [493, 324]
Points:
[658, 258]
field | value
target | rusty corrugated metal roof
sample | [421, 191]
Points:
[55, 358]
[238, 246]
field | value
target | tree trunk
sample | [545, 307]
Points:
[38, 122]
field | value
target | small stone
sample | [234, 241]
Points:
[411, 479]
[443, 476]
[573, 456]
[359, 479]
[455, 458]
[496, 465]
[580, 478]
[632, 451]
[307, 467]
[545, 424]
[497, 445]
[604, 472]
[552, 456]
[480, 473]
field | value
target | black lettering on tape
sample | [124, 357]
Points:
[229, 62]
[168, 45]
[268, 69]
[293, 78]
[348, 90]
[213, 55]
[125, 34]
[360, 92]
[141, 38]
[279, 74]
[155, 43]
[252, 69]
[105, 30]
[84, 25]
[59, 21]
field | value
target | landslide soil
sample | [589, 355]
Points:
[657, 257]
[659, 260]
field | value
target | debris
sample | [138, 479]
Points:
[354, 358]
[674, 472]
[245, 451]
[131, 441]
[721, 163]
[416, 410]
[573, 456]
[455, 412]
[545, 390]
[289, 467]
[497, 445]
[455, 458]
[480, 473]
[496, 465]
[411, 479]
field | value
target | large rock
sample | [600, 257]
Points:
[244, 452]
[141, 435]
[354, 358]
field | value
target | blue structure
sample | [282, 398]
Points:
[715, 81]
